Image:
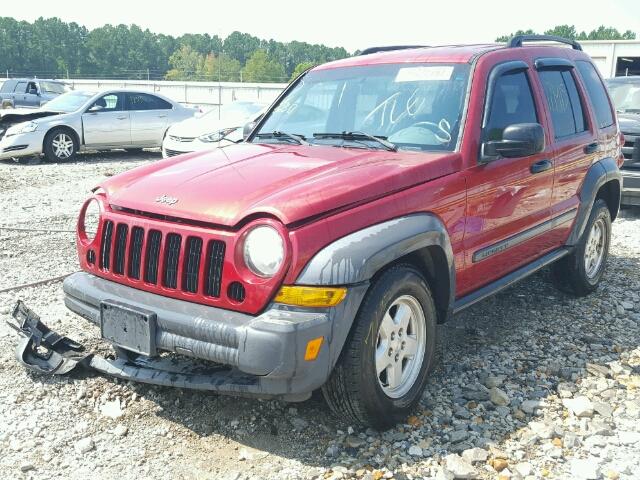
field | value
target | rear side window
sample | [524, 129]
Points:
[596, 92]
[564, 103]
[512, 102]
[21, 87]
[143, 101]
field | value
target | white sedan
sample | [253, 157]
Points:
[77, 121]
[211, 130]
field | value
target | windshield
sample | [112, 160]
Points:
[69, 102]
[414, 106]
[53, 87]
[625, 96]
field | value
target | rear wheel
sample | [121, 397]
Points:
[581, 272]
[383, 368]
[60, 145]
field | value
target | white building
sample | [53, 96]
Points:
[614, 58]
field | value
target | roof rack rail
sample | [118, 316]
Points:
[368, 51]
[517, 40]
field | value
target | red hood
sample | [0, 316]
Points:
[289, 182]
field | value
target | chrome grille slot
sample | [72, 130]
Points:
[172, 255]
[213, 268]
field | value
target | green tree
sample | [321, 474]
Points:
[300, 68]
[185, 63]
[506, 38]
[220, 68]
[565, 31]
[260, 68]
[569, 31]
[240, 46]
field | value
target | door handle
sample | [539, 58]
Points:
[541, 166]
[591, 148]
[162, 116]
[122, 118]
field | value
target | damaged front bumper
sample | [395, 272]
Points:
[219, 350]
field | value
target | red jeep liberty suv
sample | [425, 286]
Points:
[378, 196]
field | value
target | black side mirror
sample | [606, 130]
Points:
[248, 128]
[518, 140]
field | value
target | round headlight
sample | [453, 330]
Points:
[264, 251]
[91, 219]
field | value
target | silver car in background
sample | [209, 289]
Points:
[78, 121]
[212, 130]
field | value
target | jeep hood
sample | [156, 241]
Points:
[290, 182]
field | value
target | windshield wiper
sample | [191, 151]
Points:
[359, 136]
[299, 139]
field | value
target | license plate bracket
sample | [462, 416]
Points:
[129, 327]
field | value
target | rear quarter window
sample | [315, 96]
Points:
[597, 93]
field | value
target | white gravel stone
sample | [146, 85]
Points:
[579, 406]
[585, 468]
[459, 467]
[84, 445]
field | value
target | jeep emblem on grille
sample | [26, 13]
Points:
[166, 199]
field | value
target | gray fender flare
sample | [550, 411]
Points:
[354, 259]
[599, 173]
[357, 257]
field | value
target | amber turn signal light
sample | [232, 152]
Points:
[313, 349]
[311, 296]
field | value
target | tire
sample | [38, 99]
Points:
[580, 272]
[355, 391]
[63, 151]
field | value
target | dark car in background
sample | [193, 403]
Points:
[625, 93]
[29, 92]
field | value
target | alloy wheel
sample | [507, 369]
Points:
[62, 145]
[400, 346]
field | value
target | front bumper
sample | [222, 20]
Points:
[265, 353]
[171, 147]
[630, 187]
[20, 145]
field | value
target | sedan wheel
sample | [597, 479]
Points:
[60, 145]
[63, 147]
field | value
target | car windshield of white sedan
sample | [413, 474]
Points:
[69, 102]
[408, 106]
[625, 96]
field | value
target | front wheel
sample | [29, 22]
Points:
[383, 368]
[580, 272]
[60, 145]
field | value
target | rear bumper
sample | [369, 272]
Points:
[630, 187]
[267, 349]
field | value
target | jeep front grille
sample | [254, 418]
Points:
[172, 261]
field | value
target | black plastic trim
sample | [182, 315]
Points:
[599, 173]
[389, 48]
[510, 242]
[508, 280]
[553, 63]
[517, 40]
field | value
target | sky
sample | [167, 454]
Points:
[354, 24]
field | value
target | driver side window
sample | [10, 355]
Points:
[512, 102]
[109, 103]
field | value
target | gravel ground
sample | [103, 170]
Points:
[533, 384]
